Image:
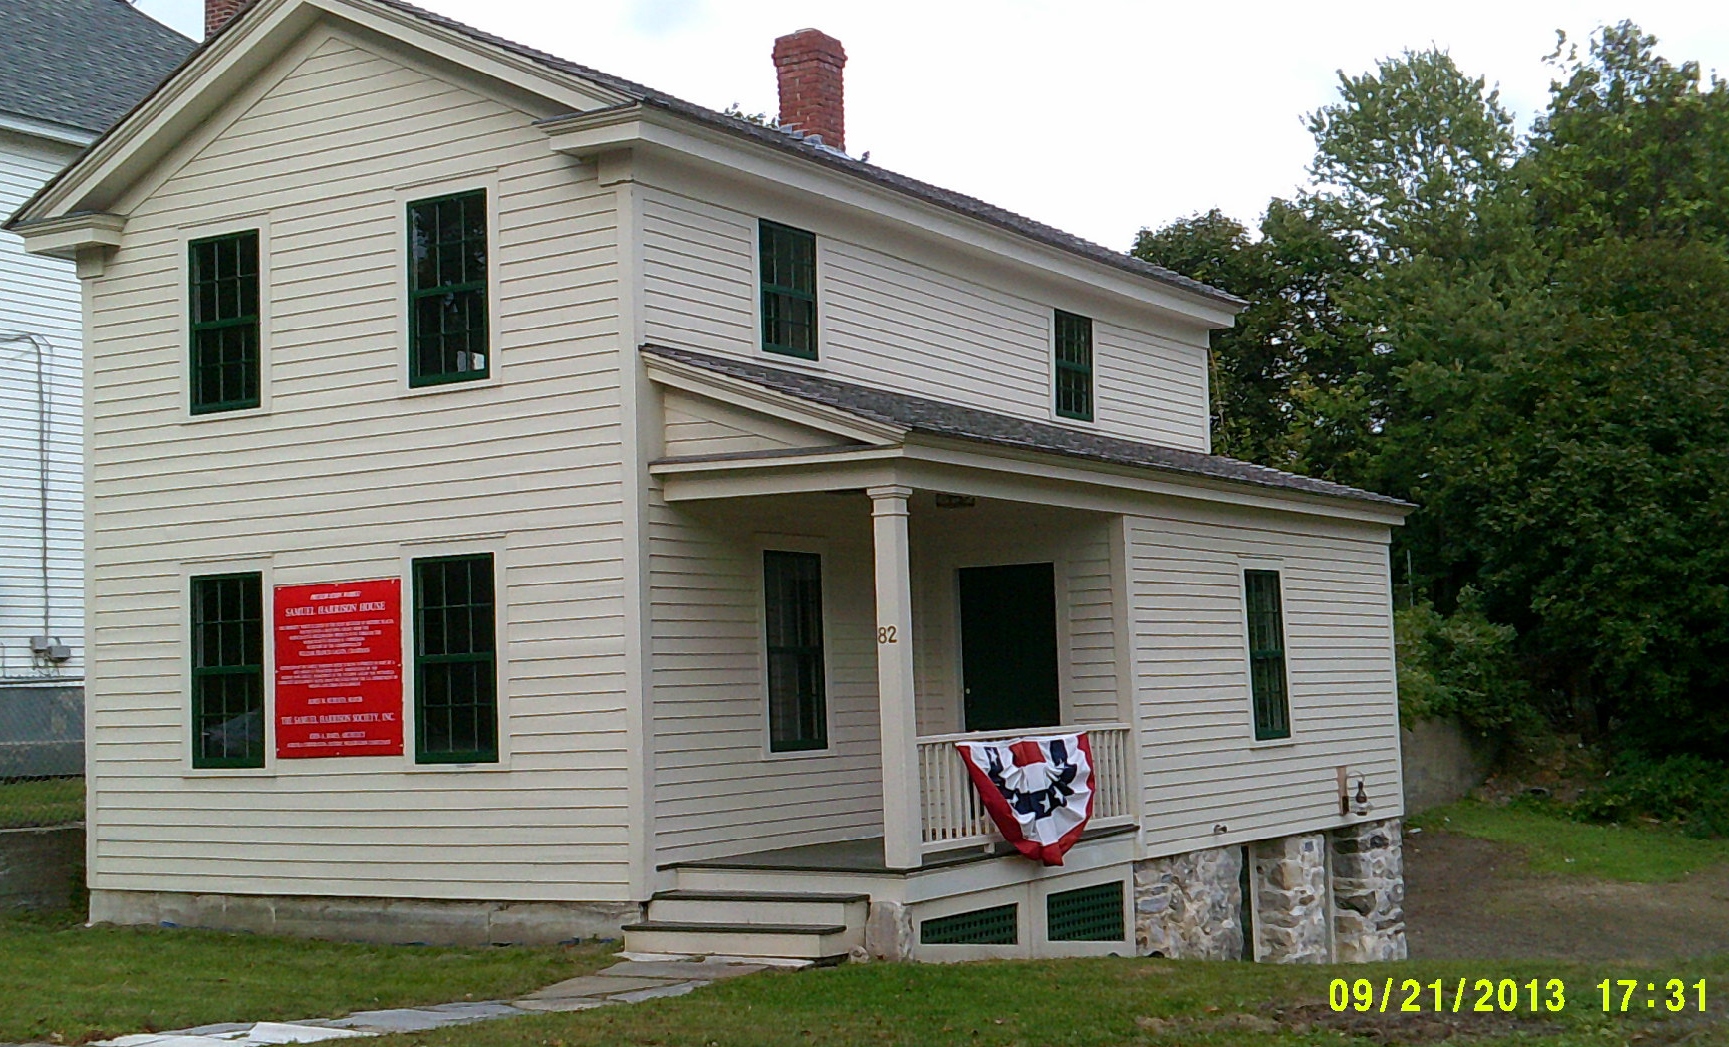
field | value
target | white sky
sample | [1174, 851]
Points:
[1096, 116]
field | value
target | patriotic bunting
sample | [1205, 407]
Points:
[1039, 791]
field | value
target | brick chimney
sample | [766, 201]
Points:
[809, 63]
[217, 13]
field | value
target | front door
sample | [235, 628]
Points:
[1009, 646]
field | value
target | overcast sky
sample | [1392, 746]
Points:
[1097, 117]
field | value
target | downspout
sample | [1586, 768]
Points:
[43, 422]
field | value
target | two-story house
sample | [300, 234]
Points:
[68, 69]
[527, 505]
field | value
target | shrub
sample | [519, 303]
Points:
[1461, 665]
[1688, 791]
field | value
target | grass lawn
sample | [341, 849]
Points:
[64, 983]
[1556, 844]
[41, 801]
[1081, 1003]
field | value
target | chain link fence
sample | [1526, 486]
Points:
[41, 755]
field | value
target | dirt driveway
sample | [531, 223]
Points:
[1473, 899]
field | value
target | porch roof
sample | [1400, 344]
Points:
[915, 414]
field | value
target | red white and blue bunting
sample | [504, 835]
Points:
[1039, 790]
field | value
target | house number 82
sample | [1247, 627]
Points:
[886, 634]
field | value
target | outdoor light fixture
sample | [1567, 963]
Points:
[1360, 802]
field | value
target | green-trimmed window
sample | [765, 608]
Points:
[223, 277]
[792, 602]
[455, 670]
[788, 262]
[1267, 655]
[1074, 359]
[447, 325]
[228, 671]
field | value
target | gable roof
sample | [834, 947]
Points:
[935, 418]
[786, 141]
[81, 63]
[800, 146]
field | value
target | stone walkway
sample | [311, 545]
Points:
[629, 982]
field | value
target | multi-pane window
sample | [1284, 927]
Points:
[792, 602]
[1074, 371]
[223, 288]
[788, 263]
[447, 328]
[455, 675]
[1267, 655]
[228, 671]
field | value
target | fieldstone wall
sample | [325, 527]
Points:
[1189, 906]
[1292, 906]
[1369, 892]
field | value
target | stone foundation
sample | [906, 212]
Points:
[1189, 906]
[889, 931]
[1292, 902]
[378, 921]
[1369, 892]
[1318, 898]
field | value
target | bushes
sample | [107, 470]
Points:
[1687, 791]
[1461, 665]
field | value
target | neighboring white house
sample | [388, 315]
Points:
[526, 504]
[68, 70]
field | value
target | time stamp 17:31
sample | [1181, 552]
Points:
[1506, 994]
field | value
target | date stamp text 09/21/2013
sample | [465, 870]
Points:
[1614, 995]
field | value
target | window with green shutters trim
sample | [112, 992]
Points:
[792, 605]
[1267, 655]
[228, 671]
[447, 322]
[455, 661]
[222, 293]
[787, 259]
[1074, 370]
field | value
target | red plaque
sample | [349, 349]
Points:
[339, 669]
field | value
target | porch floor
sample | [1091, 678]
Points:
[865, 856]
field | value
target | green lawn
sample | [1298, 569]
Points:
[63, 982]
[41, 801]
[1555, 844]
[1082, 1003]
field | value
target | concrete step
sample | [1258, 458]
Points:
[758, 907]
[796, 941]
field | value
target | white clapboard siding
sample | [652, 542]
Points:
[1201, 766]
[717, 789]
[347, 476]
[41, 407]
[698, 425]
[948, 330]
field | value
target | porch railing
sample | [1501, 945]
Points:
[953, 816]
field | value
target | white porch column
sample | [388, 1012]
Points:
[903, 830]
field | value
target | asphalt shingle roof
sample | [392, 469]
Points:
[81, 63]
[936, 418]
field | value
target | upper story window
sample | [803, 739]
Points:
[447, 324]
[1074, 366]
[787, 258]
[223, 276]
[228, 670]
[1267, 655]
[792, 607]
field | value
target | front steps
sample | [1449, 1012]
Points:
[777, 926]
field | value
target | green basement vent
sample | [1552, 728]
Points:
[1090, 914]
[993, 926]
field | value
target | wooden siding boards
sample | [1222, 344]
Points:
[346, 475]
[1201, 765]
[39, 307]
[979, 335]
